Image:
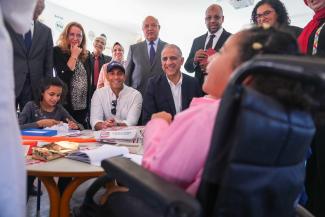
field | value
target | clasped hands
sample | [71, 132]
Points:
[201, 58]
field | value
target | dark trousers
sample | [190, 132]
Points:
[25, 96]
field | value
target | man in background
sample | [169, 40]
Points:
[98, 59]
[143, 59]
[207, 44]
[12, 170]
[33, 57]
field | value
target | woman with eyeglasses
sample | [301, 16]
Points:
[72, 65]
[118, 56]
[273, 13]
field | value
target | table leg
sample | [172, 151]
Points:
[54, 195]
[65, 199]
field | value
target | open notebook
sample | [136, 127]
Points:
[95, 156]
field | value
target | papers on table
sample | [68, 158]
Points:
[95, 156]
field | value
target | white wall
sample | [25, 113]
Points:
[56, 17]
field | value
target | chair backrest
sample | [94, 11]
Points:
[255, 166]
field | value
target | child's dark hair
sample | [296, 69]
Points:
[291, 93]
[45, 84]
[266, 40]
[279, 8]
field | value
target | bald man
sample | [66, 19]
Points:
[202, 45]
[143, 59]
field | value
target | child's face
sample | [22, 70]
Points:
[52, 96]
[221, 67]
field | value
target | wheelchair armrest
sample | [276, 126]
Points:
[151, 188]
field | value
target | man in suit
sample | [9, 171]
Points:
[98, 59]
[203, 45]
[33, 57]
[143, 59]
[172, 91]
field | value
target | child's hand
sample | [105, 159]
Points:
[72, 125]
[47, 123]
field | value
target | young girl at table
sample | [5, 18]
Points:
[46, 110]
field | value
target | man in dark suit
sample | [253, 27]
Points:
[172, 91]
[143, 59]
[98, 59]
[33, 57]
[201, 47]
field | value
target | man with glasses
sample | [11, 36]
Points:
[143, 59]
[117, 104]
[172, 91]
[205, 45]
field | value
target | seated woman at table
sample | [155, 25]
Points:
[46, 110]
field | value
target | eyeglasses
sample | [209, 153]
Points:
[264, 14]
[72, 35]
[114, 104]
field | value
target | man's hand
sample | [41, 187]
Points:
[200, 55]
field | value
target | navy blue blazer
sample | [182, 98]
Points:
[158, 95]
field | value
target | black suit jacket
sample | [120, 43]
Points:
[38, 62]
[198, 44]
[102, 60]
[158, 95]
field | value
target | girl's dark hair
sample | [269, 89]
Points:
[45, 84]
[266, 40]
[279, 8]
[291, 93]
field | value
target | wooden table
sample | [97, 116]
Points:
[62, 167]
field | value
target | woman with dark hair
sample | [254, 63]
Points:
[72, 65]
[46, 110]
[273, 13]
[162, 133]
[118, 56]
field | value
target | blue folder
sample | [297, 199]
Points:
[38, 132]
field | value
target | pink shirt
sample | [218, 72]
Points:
[177, 152]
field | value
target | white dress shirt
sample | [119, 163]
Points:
[18, 14]
[215, 39]
[177, 93]
[128, 108]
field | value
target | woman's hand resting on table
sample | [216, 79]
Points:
[163, 115]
